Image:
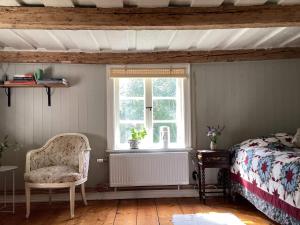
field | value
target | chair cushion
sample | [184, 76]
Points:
[52, 174]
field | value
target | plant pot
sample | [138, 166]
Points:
[134, 144]
[213, 145]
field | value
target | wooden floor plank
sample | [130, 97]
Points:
[127, 213]
[147, 213]
[111, 214]
[130, 212]
[166, 208]
[98, 213]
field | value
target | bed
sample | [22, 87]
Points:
[266, 171]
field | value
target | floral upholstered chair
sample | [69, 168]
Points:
[62, 162]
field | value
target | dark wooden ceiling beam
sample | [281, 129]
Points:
[148, 57]
[144, 18]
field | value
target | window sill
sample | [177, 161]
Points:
[148, 150]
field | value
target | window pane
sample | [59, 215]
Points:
[164, 109]
[131, 87]
[132, 109]
[125, 133]
[156, 131]
[164, 87]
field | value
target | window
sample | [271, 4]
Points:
[150, 103]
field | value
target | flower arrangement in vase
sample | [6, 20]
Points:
[214, 133]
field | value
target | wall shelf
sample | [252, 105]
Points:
[7, 88]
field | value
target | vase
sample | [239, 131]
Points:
[134, 144]
[213, 145]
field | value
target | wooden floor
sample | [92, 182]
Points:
[130, 212]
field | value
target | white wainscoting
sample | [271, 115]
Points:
[149, 169]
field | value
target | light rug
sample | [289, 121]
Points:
[207, 219]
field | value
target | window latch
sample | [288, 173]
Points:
[149, 107]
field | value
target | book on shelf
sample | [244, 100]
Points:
[23, 78]
[19, 82]
[29, 79]
[52, 81]
[28, 75]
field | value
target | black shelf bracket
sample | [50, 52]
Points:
[48, 91]
[8, 94]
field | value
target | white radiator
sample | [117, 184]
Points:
[149, 169]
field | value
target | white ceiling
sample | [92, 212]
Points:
[148, 40]
[140, 3]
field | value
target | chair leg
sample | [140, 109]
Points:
[83, 194]
[72, 200]
[27, 193]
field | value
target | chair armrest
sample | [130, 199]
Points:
[29, 155]
[84, 158]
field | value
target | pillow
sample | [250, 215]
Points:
[296, 140]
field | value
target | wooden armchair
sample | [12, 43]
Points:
[62, 162]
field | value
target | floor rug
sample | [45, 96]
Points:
[207, 219]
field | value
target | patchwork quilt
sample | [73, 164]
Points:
[266, 171]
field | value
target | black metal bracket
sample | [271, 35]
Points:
[8, 94]
[48, 91]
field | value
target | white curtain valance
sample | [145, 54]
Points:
[180, 72]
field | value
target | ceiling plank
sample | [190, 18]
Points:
[224, 17]
[249, 2]
[235, 37]
[288, 2]
[148, 57]
[269, 36]
[206, 3]
[12, 39]
[153, 3]
[58, 3]
[290, 40]
[109, 3]
[9, 3]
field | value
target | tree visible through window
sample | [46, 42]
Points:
[150, 103]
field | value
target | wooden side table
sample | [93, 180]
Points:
[212, 159]
[5, 170]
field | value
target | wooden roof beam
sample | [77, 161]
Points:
[148, 57]
[223, 17]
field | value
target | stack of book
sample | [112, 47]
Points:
[22, 79]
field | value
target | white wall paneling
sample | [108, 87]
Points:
[250, 98]
[80, 108]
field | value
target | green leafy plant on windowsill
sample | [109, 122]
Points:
[136, 137]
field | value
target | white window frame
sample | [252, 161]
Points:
[113, 102]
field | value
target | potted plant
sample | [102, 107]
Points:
[136, 136]
[213, 134]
